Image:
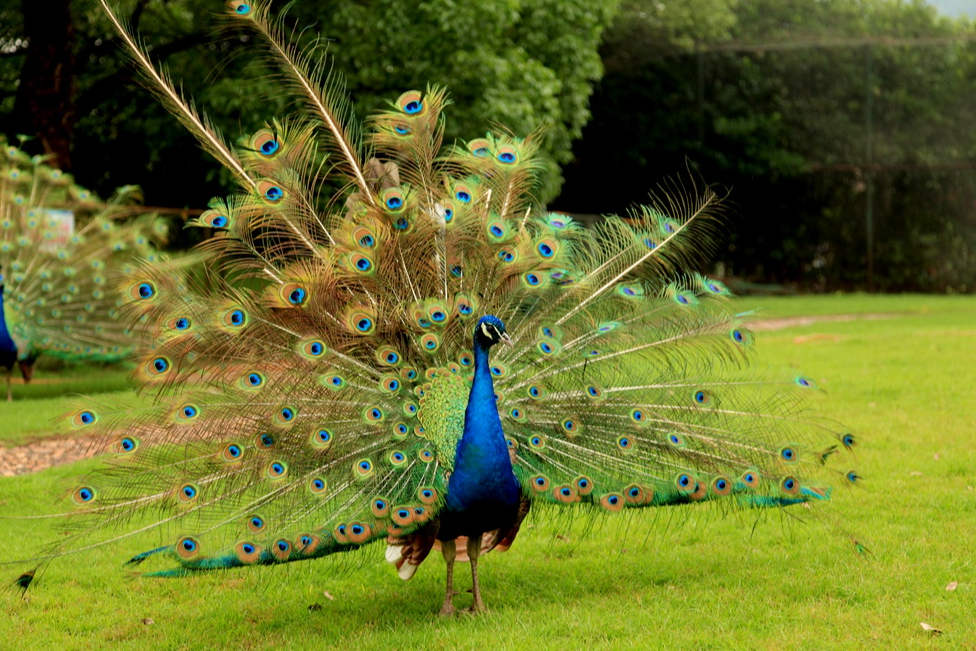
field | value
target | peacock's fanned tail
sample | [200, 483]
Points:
[60, 297]
[310, 392]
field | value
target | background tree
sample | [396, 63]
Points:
[517, 62]
[771, 99]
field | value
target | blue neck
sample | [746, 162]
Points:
[7, 344]
[482, 469]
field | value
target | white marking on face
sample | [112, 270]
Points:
[485, 331]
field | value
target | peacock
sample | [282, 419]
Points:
[57, 293]
[394, 343]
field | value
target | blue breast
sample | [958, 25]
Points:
[7, 344]
[482, 479]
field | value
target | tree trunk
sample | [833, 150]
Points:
[48, 76]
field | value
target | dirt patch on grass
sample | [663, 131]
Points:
[767, 325]
[44, 453]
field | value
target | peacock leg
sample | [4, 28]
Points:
[449, 551]
[474, 550]
[10, 396]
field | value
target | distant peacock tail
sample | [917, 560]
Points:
[61, 252]
[310, 392]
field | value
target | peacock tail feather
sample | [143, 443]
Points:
[310, 397]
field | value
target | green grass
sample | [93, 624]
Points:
[35, 405]
[904, 385]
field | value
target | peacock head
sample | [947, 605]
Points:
[489, 331]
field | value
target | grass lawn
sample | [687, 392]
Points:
[904, 385]
[35, 405]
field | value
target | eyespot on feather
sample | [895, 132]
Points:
[234, 318]
[790, 485]
[427, 495]
[430, 342]
[463, 193]
[741, 336]
[479, 148]
[390, 384]
[565, 494]
[497, 230]
[285, 415]
[84, 418]
[322, 437]
[536, 392]
[312, 349]
[388, 356]
[142, 291]
[187, 548]
[256, 523]
[380, 507]
[247, 552]
[186, 413]
[373, 414]
[364, 237]
[307, 543]
[397, 458]
[187, 493]
[277, 469]
[281, 549]
[584, 485]
[214, 219]
[549, 347]
[402, 515]
[360, 322]
[252, 380]
[265, 143]
[612, 502]
[317, 485]
[539, 483]
[507, 155]
[394, 200]
[363, 468]
[270, 192]
[721, 486]
[789, 454]
[685, 483]
[293, 294]
[126, 444]
[547, 248]
[411, 103]
[751, 478]
[239, 8]
[700, 492]
[232, 452]
[83, 495]
[635, 495]
[465, 306]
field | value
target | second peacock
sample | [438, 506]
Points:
[425, 357]
[57, 294]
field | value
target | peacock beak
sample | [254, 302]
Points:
[507, 340]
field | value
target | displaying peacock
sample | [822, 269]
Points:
[57, 293]
[424, 356]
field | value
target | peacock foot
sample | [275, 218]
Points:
[476, 609]
[447, 610]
